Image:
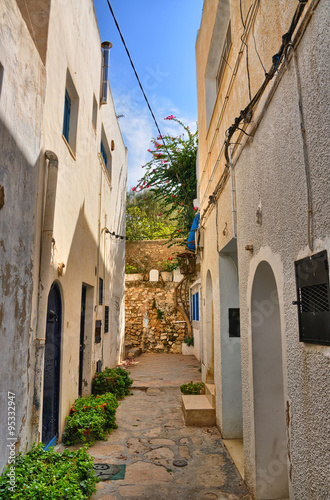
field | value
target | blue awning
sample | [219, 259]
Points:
[191, 238]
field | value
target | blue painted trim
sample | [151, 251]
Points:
[51, 443]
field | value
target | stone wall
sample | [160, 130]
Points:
[143, 301]
[150, 254]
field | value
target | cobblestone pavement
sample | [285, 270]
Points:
[151, 435]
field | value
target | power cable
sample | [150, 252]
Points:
[138, 79]
[246, 114]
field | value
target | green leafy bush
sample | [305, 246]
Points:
[114, 380]
[189, 341]
[91, 418]
[46, 474]
[192, 388]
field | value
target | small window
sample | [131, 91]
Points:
[98, 326]
[234, 322]
[66, 119]
[94, 116]
[70, 116]
[106, 319]
[224, 56]
[105, 153]
[100, 291]
[1, 77]
[99, 366]
[195, 306]
[312, 281]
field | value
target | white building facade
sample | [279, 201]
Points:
[264, 192]
[63, 215]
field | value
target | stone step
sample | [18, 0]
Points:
[197, 410]
[210, 393]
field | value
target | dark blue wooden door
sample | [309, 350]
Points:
[51, 391]
[82, 338]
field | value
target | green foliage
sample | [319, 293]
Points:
[189, 341]
[114, 380]
[159, 314]
[192, 388]
[144, 218]
[46, 474]
[171, 175]
[132, 269]
[91, 418]
[169, 265]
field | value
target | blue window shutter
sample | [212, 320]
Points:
[194, 308]
[197, 306]
[104, 154]
[66, 118]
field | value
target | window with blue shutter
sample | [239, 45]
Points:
[66, 118]
[104, 154]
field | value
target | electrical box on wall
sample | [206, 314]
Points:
[312, 281]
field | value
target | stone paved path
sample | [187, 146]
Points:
[151, 435]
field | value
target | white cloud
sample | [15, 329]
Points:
[138, 128]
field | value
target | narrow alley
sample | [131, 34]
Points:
[151, 437]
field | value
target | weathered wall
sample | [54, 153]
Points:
[142, 299]
[22, 93]
[87, 200]
[150, 254]
[270, 171]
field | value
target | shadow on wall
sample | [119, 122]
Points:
[18, 207]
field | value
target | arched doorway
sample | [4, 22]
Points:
[209, 330]
[50, 410]
[268, 390]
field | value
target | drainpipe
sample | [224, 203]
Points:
[233, 194]
[106, 46]
[44, 278]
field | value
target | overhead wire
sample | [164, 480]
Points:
[138, 80]
[246, 114]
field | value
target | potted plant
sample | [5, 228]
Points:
[168, 267]
[188, 346]
[133, 273]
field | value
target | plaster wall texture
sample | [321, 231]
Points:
[88, 200]
[269, 172]
[275, 165]
[20, 133]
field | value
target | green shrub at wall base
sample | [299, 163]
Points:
[192, 388]
[46, 474]
[114, 380]
[91, 418]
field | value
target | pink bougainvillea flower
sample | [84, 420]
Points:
[148, 187]
[179, 230]
[159, 215]
[134, 189]
[195, 208]
[154, 170]
[170, 117]
[170, 258]
[149, 150]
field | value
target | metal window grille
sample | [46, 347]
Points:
[98, 326]
[312, 282]
[234, 322]
[106, 319]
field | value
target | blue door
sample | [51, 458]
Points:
[50, 410]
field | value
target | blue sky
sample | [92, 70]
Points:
[161, 37]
